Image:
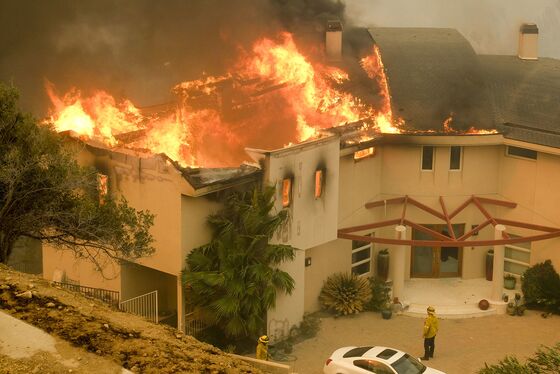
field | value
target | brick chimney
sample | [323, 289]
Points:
[528, 42]
[333, 42]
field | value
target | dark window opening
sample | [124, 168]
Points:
[455, 158]
[522, 152]
[427, 158]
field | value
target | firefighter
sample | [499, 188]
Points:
[262, 348]
[431, 326]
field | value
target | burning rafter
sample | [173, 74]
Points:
[442, 240]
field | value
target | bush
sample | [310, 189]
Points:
[345, 293]
[541, 286]
[379, 295]
[545, 361]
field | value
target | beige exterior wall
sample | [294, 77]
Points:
[395, 170]
[312, 221]
[534, 186]
[83, 271]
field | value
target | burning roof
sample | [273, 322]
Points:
[413, 81]
[273, 96]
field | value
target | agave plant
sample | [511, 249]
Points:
[345, 293]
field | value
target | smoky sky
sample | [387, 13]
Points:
[136, 49]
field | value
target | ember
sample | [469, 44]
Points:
[273, 96]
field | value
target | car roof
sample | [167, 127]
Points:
[379, 353]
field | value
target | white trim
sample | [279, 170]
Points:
[520, 249]
[521, 157]
[516, 262]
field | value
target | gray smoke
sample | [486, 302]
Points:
[136, 49]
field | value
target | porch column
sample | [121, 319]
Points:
[399, 262]
[498, 273]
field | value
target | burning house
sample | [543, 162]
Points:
[393, 138]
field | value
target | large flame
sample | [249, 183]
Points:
[273, 96]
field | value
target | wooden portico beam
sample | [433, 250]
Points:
[374, 204]
[477, 228]
[426, 208]
[404, 209]
[487, 215]
[426, 230]
[507, 204]
[369, 226]
[526, 225]
[460, 207]
[449, 226]
[452, 243]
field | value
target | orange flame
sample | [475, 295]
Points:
[273, 96]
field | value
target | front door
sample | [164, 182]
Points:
[436, 262]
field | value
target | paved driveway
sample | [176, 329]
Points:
[462, 345]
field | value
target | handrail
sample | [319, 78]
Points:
[144, 305]
[108, 296]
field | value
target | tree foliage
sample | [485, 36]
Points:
[46, 195]
[541, 286]
[545, 361]
[234, 279]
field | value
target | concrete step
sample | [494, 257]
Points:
[450, 311]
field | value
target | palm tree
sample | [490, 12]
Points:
[234, 279]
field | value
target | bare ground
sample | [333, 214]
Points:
[462, 345]
[102, 332]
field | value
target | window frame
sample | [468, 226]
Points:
[319, 177]
[368, 260]
[460, 167]
[509, 260]
[422, 158]
[508, 154]
[287, 195]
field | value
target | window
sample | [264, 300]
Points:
[363, 153]
[521, 152]
[427, 157]
[517, 257]
[102, 187]
[318, 183]
[286, 192]
[455, 158]
[373, 366]
[361, 257]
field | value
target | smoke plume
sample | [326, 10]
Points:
[136, 48]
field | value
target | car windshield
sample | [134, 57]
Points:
[408, 365]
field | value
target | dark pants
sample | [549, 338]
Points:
[429, 346]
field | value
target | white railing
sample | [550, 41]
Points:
[144, 305]
[192, 325]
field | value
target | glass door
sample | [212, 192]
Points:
[436, 262]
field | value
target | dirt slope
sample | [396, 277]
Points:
[127, 340]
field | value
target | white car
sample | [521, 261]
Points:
[380, 360]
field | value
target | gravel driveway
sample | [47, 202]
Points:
[462, 345]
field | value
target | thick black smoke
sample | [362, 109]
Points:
[136, 48]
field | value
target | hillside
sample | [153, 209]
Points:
[125, 339]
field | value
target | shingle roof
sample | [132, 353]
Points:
[433, 73]
[526, 97]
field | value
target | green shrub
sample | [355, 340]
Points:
[345, 293]
[379, 295]
[545, 361]
[541, 286]
[310, 325]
